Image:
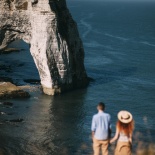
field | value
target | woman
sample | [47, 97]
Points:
[124, 130]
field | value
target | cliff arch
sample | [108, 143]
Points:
[54, 41]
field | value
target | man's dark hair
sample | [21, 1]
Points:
[101, 105]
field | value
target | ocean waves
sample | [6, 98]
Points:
[88, 29]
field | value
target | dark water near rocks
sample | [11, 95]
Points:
[119, 41]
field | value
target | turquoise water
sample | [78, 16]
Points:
[119, 42]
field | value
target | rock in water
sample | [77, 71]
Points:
[54, 41]
[8, 103]
[15, 120]
[9, 90]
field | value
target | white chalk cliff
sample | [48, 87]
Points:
[54, 41]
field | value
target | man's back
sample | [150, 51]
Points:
[100, 130]
[101, 125]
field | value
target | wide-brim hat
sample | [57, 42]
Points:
[125, 116]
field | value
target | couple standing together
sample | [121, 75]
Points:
[101, 132]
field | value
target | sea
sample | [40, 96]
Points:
[119, 43]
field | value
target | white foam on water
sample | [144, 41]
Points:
[124, 39]
[141, 82]
[87, 25]
[94, 44]
[116, 37]
[112, 36]
[100, 61]
[147, 43]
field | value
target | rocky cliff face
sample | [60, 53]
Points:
[54, 40]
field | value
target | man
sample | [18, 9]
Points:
[101, 130]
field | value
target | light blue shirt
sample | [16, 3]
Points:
[101, 125]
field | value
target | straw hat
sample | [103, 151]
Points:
[125, 116]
